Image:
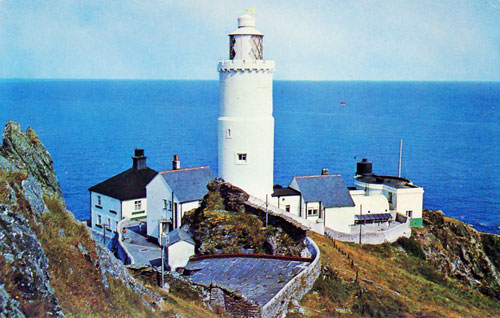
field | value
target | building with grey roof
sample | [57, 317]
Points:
[172, 193]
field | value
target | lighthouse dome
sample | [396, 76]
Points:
[246, 20]
[246, 26]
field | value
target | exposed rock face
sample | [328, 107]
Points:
[26, 152]
[49, 262]
[225, 223]
[460, 251]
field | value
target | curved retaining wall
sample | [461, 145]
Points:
[121, 250]
[390, 235]
[295, 288]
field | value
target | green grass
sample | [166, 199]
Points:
[390, 283]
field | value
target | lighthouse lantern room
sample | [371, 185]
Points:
[246, 123]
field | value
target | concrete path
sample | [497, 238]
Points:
[144, 252]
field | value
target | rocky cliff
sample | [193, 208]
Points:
[50, 265]
[458, 250]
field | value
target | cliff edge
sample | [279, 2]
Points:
[50, 265]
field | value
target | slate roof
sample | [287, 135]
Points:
[178, 235]
[329, 189]
[128, 185]
[279, 191]
[188, 184]
[257, 279]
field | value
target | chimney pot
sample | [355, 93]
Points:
[324, 171]
[176, 164]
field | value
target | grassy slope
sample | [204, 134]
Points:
[75, 277]
[391, 283]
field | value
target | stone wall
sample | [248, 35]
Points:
[296, 288]
[390, 235]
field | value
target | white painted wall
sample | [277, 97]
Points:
[129, 210]
[246, 125]
[157, 190]
[107, 204]
[340, 219]
[179, 253]
[186, 206]
[372, 204]
[292, 200]
[409, 200]
[404, 199]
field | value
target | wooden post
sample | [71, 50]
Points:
[360, 221]
[267, 212]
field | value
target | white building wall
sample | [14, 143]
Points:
[109, 210]
[179, 253]
[373, 204]
[340, 219]
[246, 125]
[129, 209]
[186, 206]
[292, 200]
[157, 190]
[409, 200]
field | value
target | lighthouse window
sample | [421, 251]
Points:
[228, 133]
[232, 51]
[242, 157]
[257, 47]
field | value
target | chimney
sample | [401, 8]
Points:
[176, 164]
[139, 160]
[324, 171]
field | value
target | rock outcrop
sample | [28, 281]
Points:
[225, 223]
[50, 264]
[27, 153]
[460, 251]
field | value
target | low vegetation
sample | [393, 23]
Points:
[219, 231]
[388, 280]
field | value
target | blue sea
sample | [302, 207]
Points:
[450, 132]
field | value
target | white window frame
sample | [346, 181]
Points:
[240, 155]
[312, 212]
[138, 205]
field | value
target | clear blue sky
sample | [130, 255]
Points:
[309, 40]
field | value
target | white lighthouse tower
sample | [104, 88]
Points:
[246, 123]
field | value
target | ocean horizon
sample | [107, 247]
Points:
[450, 132]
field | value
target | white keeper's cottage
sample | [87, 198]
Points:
[121, 196]
[173, 192]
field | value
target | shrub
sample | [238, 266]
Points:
[412, 247]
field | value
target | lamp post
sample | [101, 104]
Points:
[267, 212]
[104, 226]
[163, 242]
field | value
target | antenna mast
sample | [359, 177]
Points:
[400, 154]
